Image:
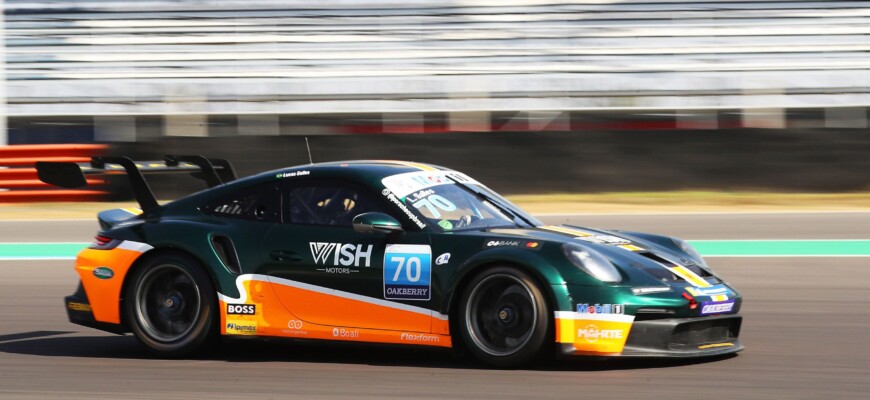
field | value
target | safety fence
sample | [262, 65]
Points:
[19, 182]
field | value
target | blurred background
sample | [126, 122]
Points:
[529, 96]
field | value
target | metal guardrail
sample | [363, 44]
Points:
[161, 57]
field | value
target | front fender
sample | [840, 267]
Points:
[530, 262]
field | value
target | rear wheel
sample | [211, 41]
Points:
[171, 305]
[504, 317]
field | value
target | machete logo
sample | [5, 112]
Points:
[592, 333]
[340, 254]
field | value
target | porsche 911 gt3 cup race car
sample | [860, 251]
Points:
[384, 252]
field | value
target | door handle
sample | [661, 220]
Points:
[285, 256]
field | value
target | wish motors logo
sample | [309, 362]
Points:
[341, 254]
[592, 333]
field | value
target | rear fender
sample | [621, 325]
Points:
[102, 273]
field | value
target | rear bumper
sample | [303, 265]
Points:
[79, 312]
[678, 338]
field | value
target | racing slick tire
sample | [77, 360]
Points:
[171, 305]
[504, 318]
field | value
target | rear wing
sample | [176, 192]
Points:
[72, 175]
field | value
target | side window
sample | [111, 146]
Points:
[257, 203]
[332, 203]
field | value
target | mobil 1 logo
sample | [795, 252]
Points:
[407, 272]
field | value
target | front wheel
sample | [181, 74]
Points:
[171, 305]
[504, 317]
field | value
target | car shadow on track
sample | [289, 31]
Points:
[58, 344]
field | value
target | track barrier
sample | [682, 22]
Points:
[18, 180]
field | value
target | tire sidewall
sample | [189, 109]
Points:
[204, 329]
[535, 348]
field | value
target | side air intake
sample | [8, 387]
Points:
[226, 251]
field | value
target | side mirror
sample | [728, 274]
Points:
[375, 222]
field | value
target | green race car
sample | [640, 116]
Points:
[384, 252]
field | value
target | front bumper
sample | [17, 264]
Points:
[671, 337]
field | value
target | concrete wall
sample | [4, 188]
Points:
[543, 162]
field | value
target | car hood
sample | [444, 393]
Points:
[653, 256]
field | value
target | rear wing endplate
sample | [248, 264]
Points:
[72, 175]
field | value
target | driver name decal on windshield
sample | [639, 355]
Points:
[404, 184]
[395, 200]
[407, 272]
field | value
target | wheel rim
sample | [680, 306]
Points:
[501, 315]
[167, 303]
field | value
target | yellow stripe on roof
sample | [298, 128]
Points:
[568, 231]
[421, 167]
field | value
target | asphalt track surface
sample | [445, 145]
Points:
[806, 330]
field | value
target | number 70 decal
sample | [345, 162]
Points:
[407, 272]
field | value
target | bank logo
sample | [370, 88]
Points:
[343, 254]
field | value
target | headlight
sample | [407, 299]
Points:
[592, 262]
[693, 254]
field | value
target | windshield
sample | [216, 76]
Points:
[447, 200]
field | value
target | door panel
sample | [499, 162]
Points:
[335, 276]
[326, 273]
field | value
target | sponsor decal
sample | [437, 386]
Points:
[442, 259]
[407, 272]
[104, 272]
[242, 328]
[294, 327]
[585, 308]
[340, 254]
[445, 224]
[404, 184]
[592, 333]
[707, 291]
[420, 195]
[503, 243]
[419, 337]
[512, 243]
[395, 200]
[293, 174]
[649, 290]
[603, 239]
[78, 306]
[241, 309]
[717, 307]
[345, 333]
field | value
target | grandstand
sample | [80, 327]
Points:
[111, 68]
